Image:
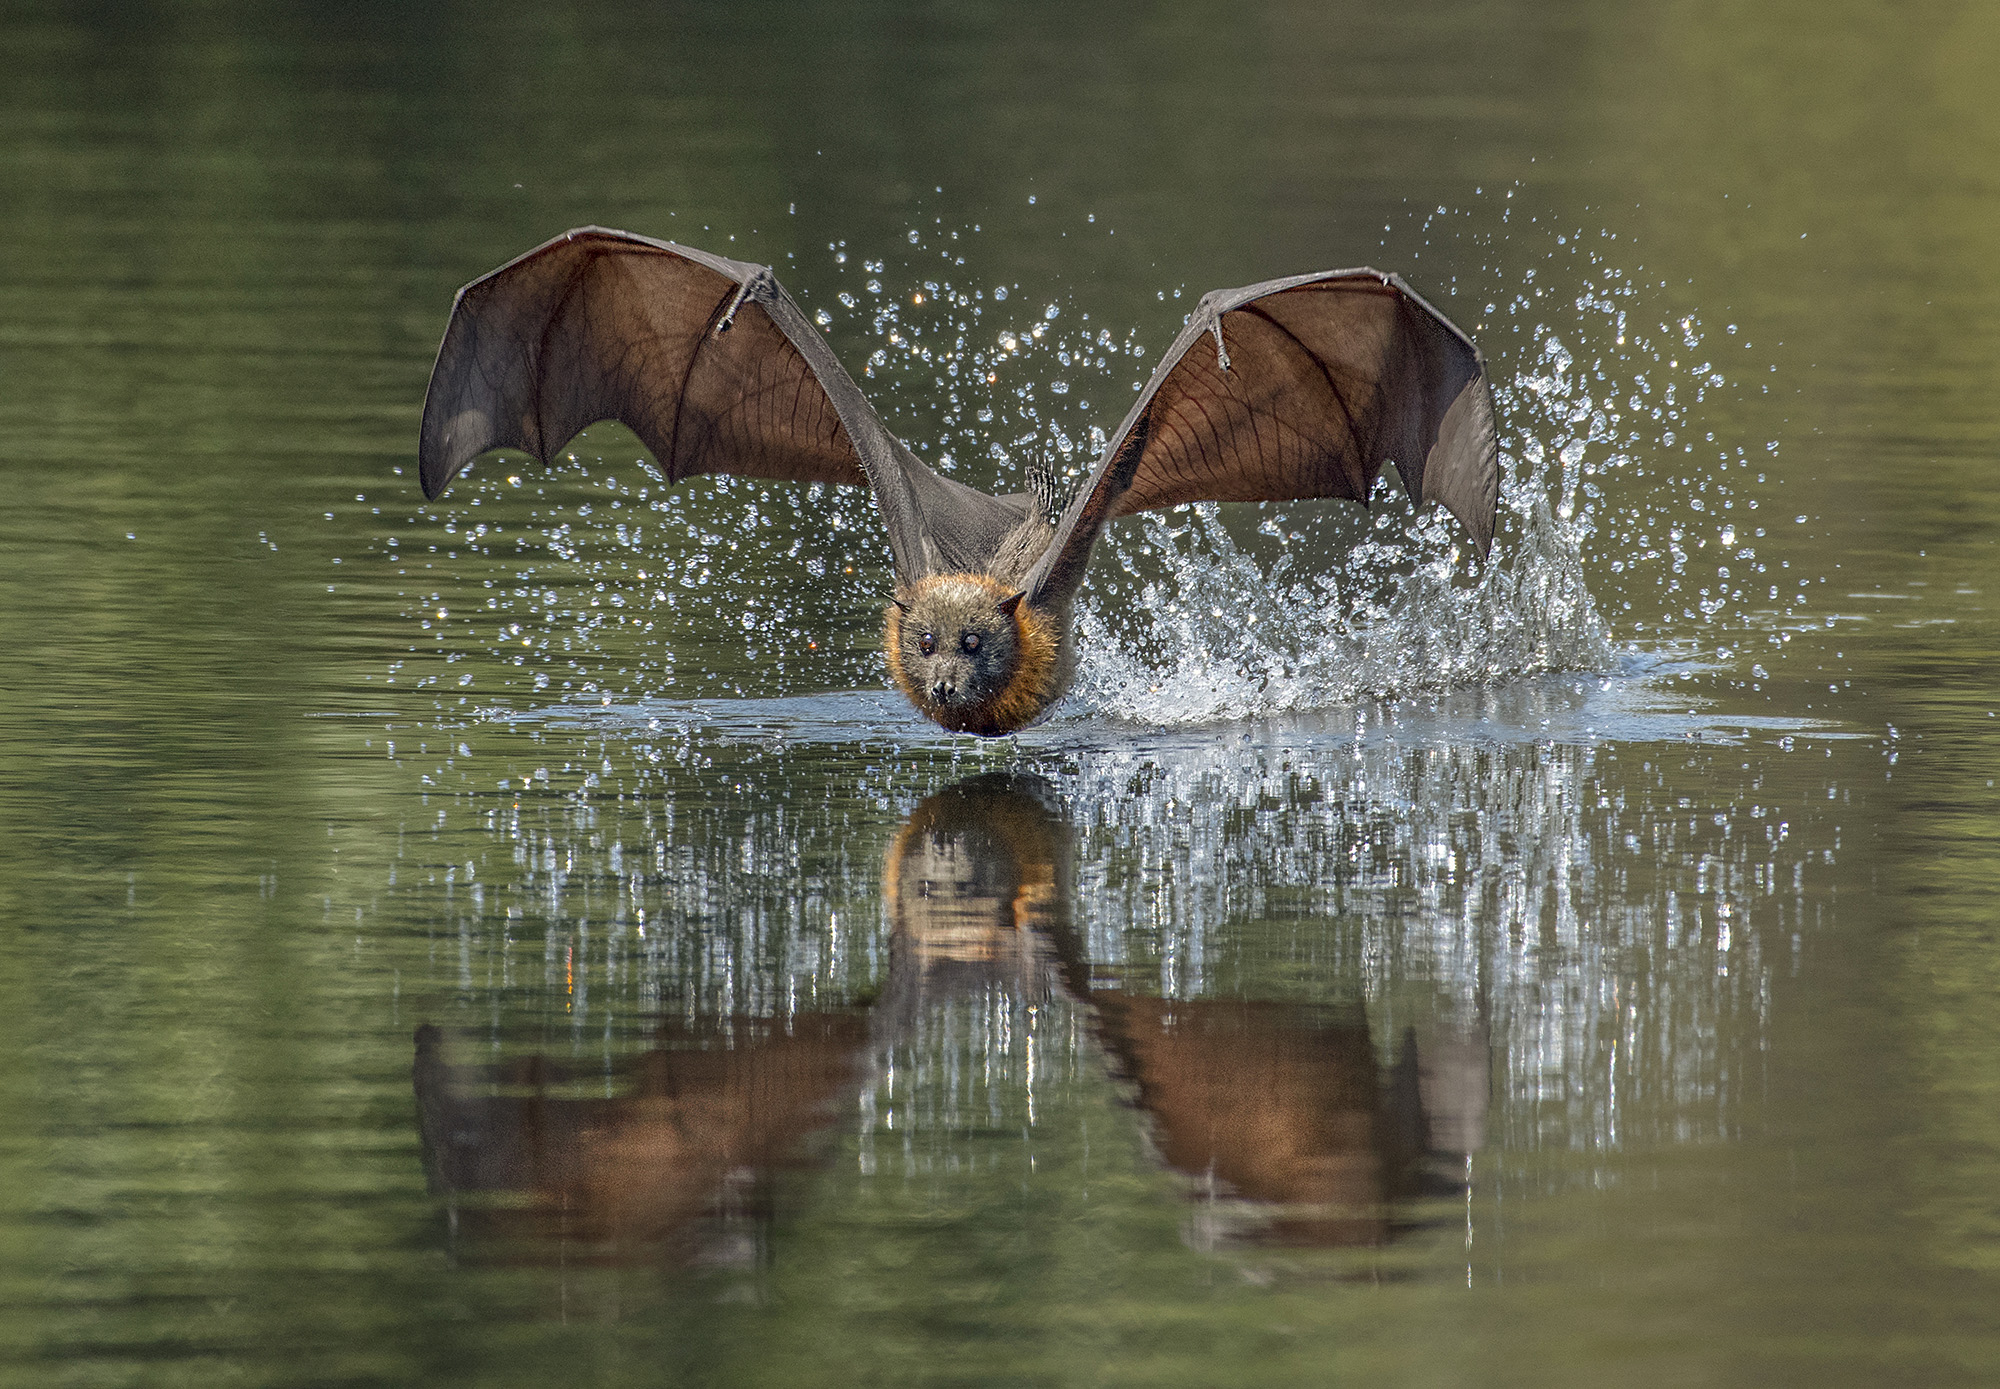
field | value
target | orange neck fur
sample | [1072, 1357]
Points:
[1031, 687]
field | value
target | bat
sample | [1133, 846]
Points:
[1292, 388]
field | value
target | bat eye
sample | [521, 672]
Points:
[927, 644]
[970, 641]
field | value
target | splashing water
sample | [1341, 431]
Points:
[1228, 643]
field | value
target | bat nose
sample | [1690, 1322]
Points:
[942, 692]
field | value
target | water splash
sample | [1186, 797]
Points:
[1227, 642]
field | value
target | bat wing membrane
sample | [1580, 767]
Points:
[1295, 388]
[706, 359]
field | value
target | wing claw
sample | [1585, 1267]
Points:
[760, 286]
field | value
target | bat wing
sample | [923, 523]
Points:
[708, 360]
[1300, 387]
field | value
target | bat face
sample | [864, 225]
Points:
[969, 655]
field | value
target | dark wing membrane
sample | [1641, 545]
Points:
[604, 325]
[706, 359]
[1301, 387]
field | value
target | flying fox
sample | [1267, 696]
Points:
[1291, 388]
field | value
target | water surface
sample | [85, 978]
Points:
[523, 937]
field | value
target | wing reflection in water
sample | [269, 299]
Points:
[678, 1166]
[1282, 1119]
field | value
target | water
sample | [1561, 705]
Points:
[523, 937]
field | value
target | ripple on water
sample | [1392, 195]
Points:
[1628, 702]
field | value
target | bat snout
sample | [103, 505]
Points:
[943, 692]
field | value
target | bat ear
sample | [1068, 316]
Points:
[901, 606]
[1007, 605]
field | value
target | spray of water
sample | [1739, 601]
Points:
[1229, 642]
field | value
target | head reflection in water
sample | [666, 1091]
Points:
[1281, 1119]
[975, 884]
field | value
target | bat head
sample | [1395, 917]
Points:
[969, 654]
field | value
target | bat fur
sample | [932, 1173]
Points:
[1291, 388]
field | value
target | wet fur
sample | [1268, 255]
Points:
[1028, 657]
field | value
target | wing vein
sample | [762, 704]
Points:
[538, 378]
[1326, 374]
[672, 465]
[1205, 435]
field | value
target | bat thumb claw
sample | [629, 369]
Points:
[761, 286]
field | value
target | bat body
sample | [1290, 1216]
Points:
[1293, 388]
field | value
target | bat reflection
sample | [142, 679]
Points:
[1281, 1119]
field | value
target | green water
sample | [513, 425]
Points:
[1629, 1022]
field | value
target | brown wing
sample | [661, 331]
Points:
[1301, 387]
[706, 359]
